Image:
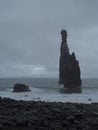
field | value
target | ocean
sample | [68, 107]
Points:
[48, 89]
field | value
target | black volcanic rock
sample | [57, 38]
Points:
[32, 115]
[69, 70]
[21, 88]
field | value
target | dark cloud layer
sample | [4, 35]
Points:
[30, 35]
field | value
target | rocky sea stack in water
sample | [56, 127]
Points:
[21, 88]
[69, 70]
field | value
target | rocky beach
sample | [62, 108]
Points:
[40, 115]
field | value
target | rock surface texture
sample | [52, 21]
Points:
[31, 115]
[21, 88]
[69, 70]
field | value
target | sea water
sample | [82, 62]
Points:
[48, 89]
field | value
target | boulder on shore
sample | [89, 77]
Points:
[21, 88]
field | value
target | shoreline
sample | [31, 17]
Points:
[41, 115]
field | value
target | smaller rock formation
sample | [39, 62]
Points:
[21, 88]
[69, 70]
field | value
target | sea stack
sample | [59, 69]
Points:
[21, 88]
[69, 70]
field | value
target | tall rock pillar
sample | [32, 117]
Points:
[69, 70]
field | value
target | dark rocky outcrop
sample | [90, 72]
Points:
[32, 115]
[21, 88]
[69, 70]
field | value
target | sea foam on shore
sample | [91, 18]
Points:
[49, 90]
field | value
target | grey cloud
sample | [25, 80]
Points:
[27, 71]
[30, 32]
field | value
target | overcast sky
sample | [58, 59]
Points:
[30, 36]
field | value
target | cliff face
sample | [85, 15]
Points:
[69, 70]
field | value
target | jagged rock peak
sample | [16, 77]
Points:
[69, 70]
